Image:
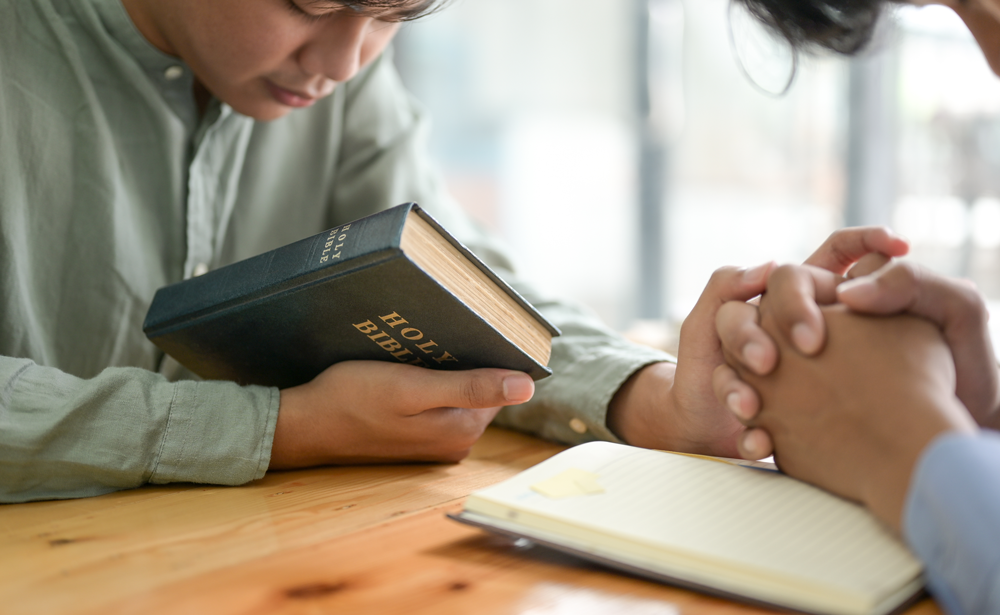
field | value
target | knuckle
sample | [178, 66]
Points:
[787, 269]
[722, 275]
[744, 327]
[470, 432]
[872, 261]
[911, 273]
[722, 378]
[841, 233]
[478, 392]
[843, 240]
[973, 302]
[783, 273]
[727, 317]
[883, 230]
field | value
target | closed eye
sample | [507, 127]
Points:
[315, 10]
[311, 17]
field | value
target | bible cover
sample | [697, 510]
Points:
[349, 293]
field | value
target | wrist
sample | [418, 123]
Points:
[638, 410]
[288, 448]
[885, 492]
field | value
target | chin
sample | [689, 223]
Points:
[262, 111]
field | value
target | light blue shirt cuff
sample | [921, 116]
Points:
[952, 521]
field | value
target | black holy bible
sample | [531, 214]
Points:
[393, 286]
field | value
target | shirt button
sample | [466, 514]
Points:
[173, 73]
[578, 426]
[200, 269]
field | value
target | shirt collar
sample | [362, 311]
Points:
[171, 76]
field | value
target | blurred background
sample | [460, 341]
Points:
[625, 149]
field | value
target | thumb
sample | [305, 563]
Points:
[476, 388]
[894, 288]
[726, 284]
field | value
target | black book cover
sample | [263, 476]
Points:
[349, 293]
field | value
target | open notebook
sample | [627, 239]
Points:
[701, 522]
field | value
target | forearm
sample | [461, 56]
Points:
[66, 437]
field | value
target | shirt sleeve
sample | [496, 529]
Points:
[952, 521]
[385, 161]
[63, 437]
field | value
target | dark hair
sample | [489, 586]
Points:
[843, 26]
[396, 10]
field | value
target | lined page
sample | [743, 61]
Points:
[739, 518]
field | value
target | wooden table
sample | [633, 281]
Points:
[329, 540]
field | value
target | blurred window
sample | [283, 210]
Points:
[540, 127]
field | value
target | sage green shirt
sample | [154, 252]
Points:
[112, 185]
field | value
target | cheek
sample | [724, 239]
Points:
[241, 44]
[376, 41]
[250, 55]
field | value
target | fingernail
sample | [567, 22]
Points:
[518, 388]
[753, 356]
[805, 338]
[755, 275]
[733, 402]
[754, 445]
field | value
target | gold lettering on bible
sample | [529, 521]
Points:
[334, 242]
[412, 347]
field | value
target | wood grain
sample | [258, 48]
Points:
[368, 539]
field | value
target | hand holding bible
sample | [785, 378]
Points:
[374, 411]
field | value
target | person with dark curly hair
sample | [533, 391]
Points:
[883, 388]
[846, 26]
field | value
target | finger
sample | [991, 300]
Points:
[736, 284]
[794, 293]
[905, 287]
[485, 388]
[437, 434]
[738, 326]
[868, 264]
[726, 284]
[413, 390]
[738, 396]
[458, 427]
[755, 444]
[845, 247]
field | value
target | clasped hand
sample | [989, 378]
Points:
[676, 408]
[848, 382]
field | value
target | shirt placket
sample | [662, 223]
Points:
[212, 186]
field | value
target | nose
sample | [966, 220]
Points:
[335, 51]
